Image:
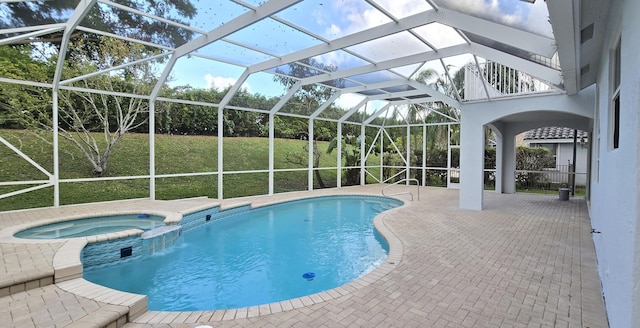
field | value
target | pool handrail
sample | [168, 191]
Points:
[404, 192]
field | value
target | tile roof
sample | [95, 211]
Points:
[552, 132]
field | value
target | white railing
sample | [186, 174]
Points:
[403, 192]
[493, 80]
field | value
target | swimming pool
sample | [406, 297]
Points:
[257, 257]
[92, 226]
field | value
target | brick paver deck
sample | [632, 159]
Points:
[525, 261]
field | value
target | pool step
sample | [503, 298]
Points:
[106, 316]
[382, 207]
[19, 271]
[22, 281]
[116, 303]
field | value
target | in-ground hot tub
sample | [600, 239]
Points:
[92, 226]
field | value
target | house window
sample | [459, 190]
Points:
[615, 98]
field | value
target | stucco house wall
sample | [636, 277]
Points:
[614, 204]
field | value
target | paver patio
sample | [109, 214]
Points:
[525, 261]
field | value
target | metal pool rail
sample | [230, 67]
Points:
[404, 192]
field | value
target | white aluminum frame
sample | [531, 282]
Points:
[526, 41]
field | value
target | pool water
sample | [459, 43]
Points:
[257, 257]
[92, 226]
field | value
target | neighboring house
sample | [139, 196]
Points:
[560, 141]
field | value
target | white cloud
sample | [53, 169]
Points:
[220, 83]
[404, 8]
[530, 17]
[348, 100]
[539, 19]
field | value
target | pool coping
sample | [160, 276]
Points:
[68, 268]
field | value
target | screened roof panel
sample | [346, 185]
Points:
[390, 47]
[430, 72]
[406, 71]
[520, 53]
[373, 92]
[110, 19]
[504, 80]
[231, 53]
[439, 35]
[340, 83]
[402, 9]
[340, 59]
[203, 73]
[273, 37]
[374, 77]
[34, 13]
[399, 88]
[202, 15]
[297, 70]
[395, 99]
[455, 63]
[332, 43]
[334, 19]
[514, 13]
[255, 3]
[415, 97]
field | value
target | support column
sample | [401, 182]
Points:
[363, 150]
[339, 157]
[407, 173]
[56, 158]
[152, 150]
[311, 156]
[271, 152]
[499, 155]
[220, 151]
[508, 163]
[471, 163]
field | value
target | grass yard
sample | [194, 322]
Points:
[175, 154]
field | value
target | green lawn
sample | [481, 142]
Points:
[174, 154]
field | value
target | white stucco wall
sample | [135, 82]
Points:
[564, 155]
[614, 206]
[574, 111]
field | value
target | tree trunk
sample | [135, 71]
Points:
[316, 164]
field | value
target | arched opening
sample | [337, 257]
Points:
[507, 119]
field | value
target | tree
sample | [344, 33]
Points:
[21, 105]
[439, 112]
[81, 113]
[301, 159]
[532, 159]
[105, 18]
[248, 123]
[308, 97]
[351, 154]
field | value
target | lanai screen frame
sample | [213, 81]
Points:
[538, 47]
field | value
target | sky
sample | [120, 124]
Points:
[330, 19]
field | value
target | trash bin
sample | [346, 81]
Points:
[564, 193]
